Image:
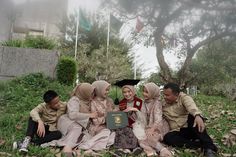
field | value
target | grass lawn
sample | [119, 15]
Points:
[19, 96]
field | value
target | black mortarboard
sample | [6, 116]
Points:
[122, 83]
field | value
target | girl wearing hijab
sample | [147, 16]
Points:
[75, 122]
[100, 104]
[125, 139]
[155, 127]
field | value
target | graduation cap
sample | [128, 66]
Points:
[122, 83]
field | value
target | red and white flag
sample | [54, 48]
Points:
[139, 25]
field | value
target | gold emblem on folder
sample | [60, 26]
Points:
[117, 119]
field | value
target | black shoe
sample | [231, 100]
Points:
[137, 151]
[119, 153]
[209, 153]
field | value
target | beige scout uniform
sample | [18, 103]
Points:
[48, 115]
[177, 114]
[72, 123]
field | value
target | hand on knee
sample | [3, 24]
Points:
[67, 149]
[165, 153]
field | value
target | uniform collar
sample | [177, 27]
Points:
[176, 101]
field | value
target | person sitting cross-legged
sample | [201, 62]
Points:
[187, 128]
[42, 122]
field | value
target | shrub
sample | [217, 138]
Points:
[39, 42]
[34, 80]
[13, 43]
[66, 70]
[224, 90]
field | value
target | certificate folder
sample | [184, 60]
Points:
[115, 120]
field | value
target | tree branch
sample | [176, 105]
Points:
[208, 40]
[198, 4]
[192, 51]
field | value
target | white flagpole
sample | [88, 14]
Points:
[76, 46]
[135, 66]
[108, 34]
[76, 36]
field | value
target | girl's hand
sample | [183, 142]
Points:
[93, 115]
[122, 106]
[130, 109]
[100, 114]
[165, 153]
[150, 132]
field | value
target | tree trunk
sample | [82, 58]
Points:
[165, 70]
[183, 72]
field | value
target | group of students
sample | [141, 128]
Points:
[80, 124]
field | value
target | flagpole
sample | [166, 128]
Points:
[76, 36]
[135, 66]
[108, 34]
[76, 46]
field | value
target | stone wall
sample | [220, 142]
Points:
[22, 61]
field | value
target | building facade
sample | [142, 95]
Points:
[32, 17]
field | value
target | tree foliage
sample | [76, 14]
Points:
[96, 66]
[215, 65]
[155, 77]
[183, 26]
[93, 60]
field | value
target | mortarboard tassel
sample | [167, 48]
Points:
[116, 99]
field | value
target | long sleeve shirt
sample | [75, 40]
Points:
[177, 113]
[76, 113]
[48, 115]
[103, 107]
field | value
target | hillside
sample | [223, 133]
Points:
[19, 96]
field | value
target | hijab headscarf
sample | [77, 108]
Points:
[153, 91]
[100, 88]
[84, 92]
[131, 88]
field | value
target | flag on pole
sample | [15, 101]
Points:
[83, 21]
[139, 25]
[115, 24]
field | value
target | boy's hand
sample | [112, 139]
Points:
[199, 123]
[41, 129]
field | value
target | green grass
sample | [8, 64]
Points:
[221, 118]
[19, 96]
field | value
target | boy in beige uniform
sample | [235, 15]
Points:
[43, 121]
[187, 128]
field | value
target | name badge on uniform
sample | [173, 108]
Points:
[137, 103]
